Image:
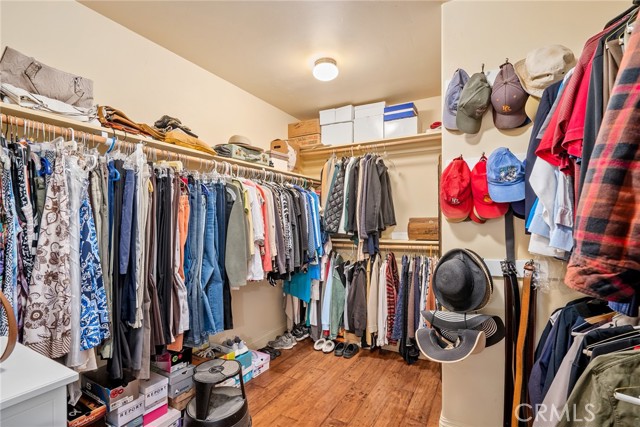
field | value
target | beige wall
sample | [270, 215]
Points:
[471, 36]
[429, 111]
[136, 75]
[147, 81]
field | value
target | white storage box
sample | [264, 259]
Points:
[336, 115]
[368, 110]
[337, 134]
[344, 114]
[369, 128]
[327, 116]
[401, 127]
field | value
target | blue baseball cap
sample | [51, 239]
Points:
[459, 79]
[505, 176]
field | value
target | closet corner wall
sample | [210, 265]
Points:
[413, 169]
[477, 383]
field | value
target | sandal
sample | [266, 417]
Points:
[351, 350]
[328, 346]
[270, 351]
[319, 344]
[339, 350]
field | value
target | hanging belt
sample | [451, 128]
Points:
[523, 348]
[512, 317]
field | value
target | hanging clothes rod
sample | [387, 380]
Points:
[20, 120]
[390, 244]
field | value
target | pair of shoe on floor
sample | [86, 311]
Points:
[285, 341]
[272, 352]
[346, 350]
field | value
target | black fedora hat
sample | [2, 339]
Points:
[461, 281]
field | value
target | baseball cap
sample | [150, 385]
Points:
[543, 67]
[505, 176]
[459, 79]
[508, 99]
[455, 191]
[483, 206]
[473, 103]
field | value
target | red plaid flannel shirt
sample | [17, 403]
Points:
[606, 259]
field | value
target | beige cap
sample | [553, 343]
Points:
[544, 66]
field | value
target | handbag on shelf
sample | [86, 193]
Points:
[13, 328]
[32, 75]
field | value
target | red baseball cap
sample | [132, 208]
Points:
[483, 206]
[456, 201]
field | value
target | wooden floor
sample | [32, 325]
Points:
[304, 387]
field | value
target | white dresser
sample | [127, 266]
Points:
[33, 390]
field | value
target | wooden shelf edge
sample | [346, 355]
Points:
[64, 122]
[430, 141]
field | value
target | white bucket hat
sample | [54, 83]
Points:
[544, 66]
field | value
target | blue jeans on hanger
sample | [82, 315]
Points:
[198, 305]
[211, 277]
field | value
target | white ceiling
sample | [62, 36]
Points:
[386, 50]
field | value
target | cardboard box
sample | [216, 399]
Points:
[155, 389]
[124, 414]
[401, 127]
[181, 401]
[172, 361]
[369, 128]
[423, 228]
[337, 134]
[260, 362]
[155, 412]
[171, 419]
[368, 110]
[307, 140]
[85, 412]
[280, 146]
[181, 387]
[114, 395]
[306, 127]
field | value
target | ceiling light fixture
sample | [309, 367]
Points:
[325, 69]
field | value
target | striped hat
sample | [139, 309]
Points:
[455, 336]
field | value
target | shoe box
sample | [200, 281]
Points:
[179, 381]
[245, 358]
[123, 415]
[260, 362]
[155, 390]
[114, 394]
[171, 419]
[181, 401]
[171, 361]
[155, 412]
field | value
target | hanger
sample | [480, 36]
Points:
[630, 334]
[636, 3]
